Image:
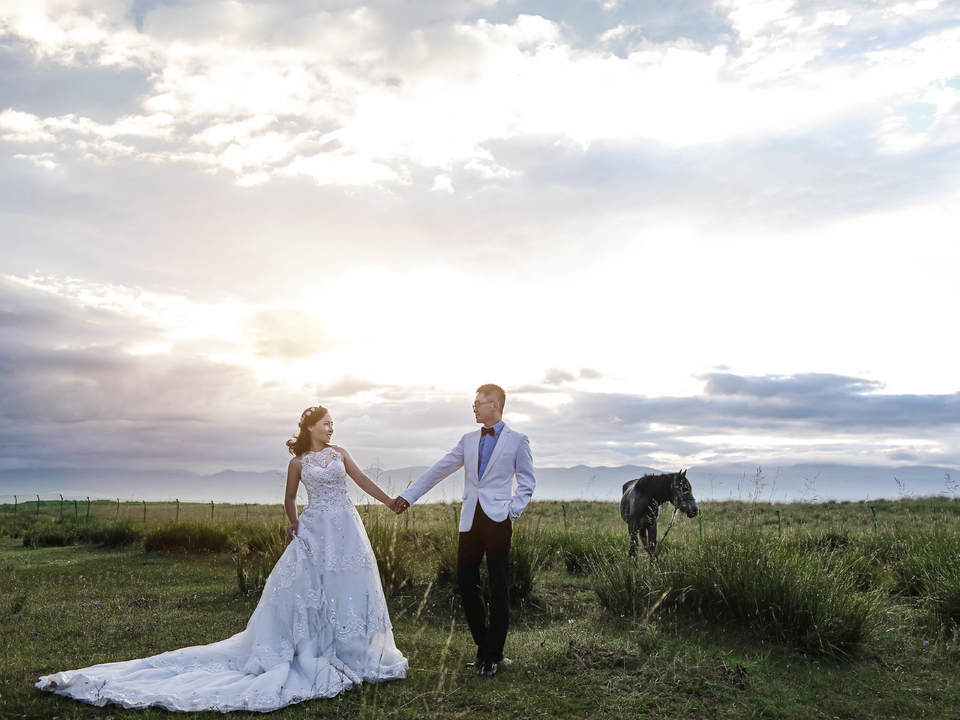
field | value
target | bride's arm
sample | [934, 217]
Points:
[365, 483]
[290, 496]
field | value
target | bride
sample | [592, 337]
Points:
[320, 627]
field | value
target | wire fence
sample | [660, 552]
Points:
[573, 516]
[78, 509]
[56, 507]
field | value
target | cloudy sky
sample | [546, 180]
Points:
[675, 232]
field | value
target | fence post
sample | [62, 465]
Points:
[779, 523]
[61, 506]
[563, 510]
[211, 509]
[874, 511]
[178, 510]
[38, 504]
[118, 508]
[700, 520]
[88, 507]
[14, 504]
[76, 511]
[144, 511]
[246, 509]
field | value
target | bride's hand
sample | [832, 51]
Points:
[398, 504]
[292, 530]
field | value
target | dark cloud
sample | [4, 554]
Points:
[904, 456]
[72, 393]
[775, 403]
[48, 88]
[139, 9]
[807, 178]
[809, 385]
[805, 411]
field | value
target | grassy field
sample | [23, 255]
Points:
[820, 612]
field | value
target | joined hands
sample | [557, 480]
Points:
[398, 505]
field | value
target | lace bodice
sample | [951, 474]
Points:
[325, 477]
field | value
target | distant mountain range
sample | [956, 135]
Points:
[804, 482]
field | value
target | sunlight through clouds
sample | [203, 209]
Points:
[675, 233]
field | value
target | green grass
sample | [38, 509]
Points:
[728, 640]
[772, 588]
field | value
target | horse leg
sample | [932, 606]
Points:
[652, 538]
[643, 534]
[633, 540]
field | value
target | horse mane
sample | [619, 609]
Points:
[628, 483]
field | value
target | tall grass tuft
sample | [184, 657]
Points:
[256, 549]
[926, 566]
[527, 559]
[116, 534]
[394, 549]
[44, 532]
[50, 534]
[944, 601]
[15, 526]
[805, 597]
[191, 537]
[580, 550]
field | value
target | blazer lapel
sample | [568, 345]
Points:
[497, 449]
[473, 453]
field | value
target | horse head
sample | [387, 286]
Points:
[681, 494]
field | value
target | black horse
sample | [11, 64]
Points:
[641, 501]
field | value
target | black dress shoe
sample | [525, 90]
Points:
[489, 669]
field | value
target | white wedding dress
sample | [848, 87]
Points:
[320, 627]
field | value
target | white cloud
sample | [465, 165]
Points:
[437, 97]
[23, 127]
[909, 9]
[442, 183]
[41, 160]
[71, 32]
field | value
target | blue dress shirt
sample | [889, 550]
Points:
[487, 444]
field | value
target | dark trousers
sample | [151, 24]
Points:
[493, 539]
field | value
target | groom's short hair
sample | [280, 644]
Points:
[494, 391]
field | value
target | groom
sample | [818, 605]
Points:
[490, 457]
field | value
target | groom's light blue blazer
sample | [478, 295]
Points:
[494, 490]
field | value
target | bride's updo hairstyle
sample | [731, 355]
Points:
[300, 443]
